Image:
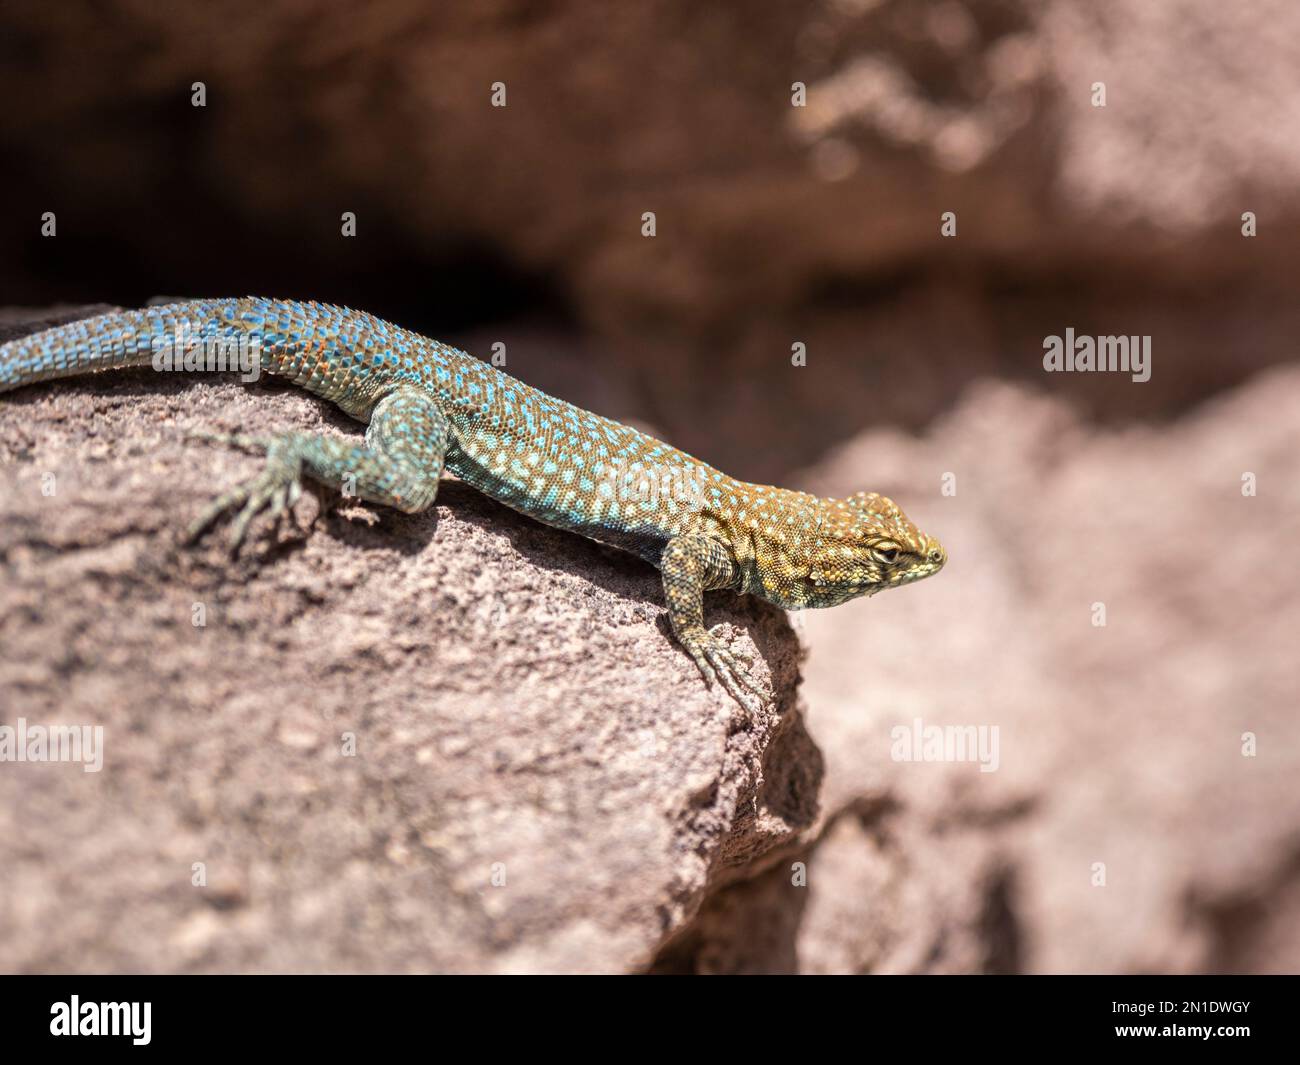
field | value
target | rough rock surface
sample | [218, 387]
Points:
[1126, 744]
[516, 710]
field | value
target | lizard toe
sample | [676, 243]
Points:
[706, 668]
[269, 492]
[215, 509]
[718, 663]
[738, 674]
[275, 490]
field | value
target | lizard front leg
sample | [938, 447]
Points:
[691, 565]
[399, 465]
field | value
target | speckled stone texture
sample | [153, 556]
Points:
[541, 781]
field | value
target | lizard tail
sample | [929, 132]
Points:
[125, 338]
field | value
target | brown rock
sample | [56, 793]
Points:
[457, 741]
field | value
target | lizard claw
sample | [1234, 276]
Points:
[275, 489]
[721, 664]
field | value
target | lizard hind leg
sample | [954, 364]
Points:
[399, 465]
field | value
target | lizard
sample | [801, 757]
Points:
[430, 407]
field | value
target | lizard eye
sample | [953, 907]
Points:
[886, 553]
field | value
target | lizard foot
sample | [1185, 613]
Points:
[276, 489]
[721, 664]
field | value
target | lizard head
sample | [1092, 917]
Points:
[865, 544]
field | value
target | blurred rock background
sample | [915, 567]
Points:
[820, 225]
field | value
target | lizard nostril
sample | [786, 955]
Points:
[936, 555]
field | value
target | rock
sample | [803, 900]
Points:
[460, 741]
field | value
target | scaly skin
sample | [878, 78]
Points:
[430, 407]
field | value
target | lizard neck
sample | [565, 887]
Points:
[772, 538]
